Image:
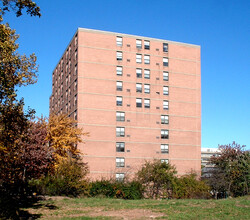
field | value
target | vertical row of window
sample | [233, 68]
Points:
[120, 115]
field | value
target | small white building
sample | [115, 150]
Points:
[206, 154]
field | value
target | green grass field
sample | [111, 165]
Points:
[102, 208]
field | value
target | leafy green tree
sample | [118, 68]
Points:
[233, 166]
[157, 178]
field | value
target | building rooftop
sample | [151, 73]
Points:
[136, 36]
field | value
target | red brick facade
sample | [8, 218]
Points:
[89, 85]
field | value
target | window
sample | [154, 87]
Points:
[139, 73]
[165, 47]
[119, 41]
[120, 162]
[165, 76]
[164, 134]
[76, 70]
[138, 103]
[138, 44]
[76, 40]
[120, 146]
[165, 105]
[146, 59]
[119, 86]
[67, 80]
[119, 70]
[164, 119]
[119, 55]
[146, 44]
[75, 100]
[138, 87]
[165, 90]
[75, 115]
[147, 74]
[164, 148]
[120, 116]
[146, 103]
[147, 88]
[76, 55]
[138, 58]
[75, 85]
[120, 131]
[164, 161]
[165, 61]
[119, 100]
[119, 177]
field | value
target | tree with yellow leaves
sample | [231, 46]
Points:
[63, 136]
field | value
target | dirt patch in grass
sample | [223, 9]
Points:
[61, 211]
[128, 214]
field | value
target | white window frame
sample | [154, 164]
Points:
[119, 71]
[138, 73]
[165, 104]
[146, 73]
[119, 41]
[119, 55]
[120, 116]
[138, 58]
[118, 100]
[147, 88]
[164, 119]
[164, 134]
[119, 177]
[120, 146]
[146, 103]
[165, 61]
[139, 87]
[164, 161]
[164, 148]
[146, 59]
[120, 131]
[165, 47]
[138, 102]
[165, 90]
[120, 161]
[146, 44]
[165, 75]
[119, 85]
[138, 44]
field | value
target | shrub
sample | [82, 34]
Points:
[102, 188]
[157, 178]
[68, 179]
[114, 189]
[189, 187]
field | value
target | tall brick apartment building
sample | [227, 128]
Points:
[138, 97]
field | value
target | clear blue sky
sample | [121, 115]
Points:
[221, 27]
